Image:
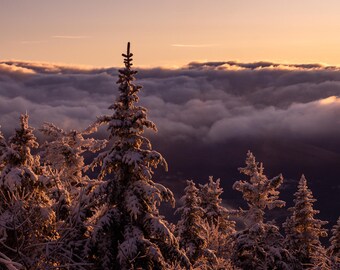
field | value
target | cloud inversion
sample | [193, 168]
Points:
[208, 114]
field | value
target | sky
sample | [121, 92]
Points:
[170, 33]
[219, 78]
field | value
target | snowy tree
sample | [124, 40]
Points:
[190, 228]
[260, 244]
[219, 227]
[69, 187]
[260, 192]
[128, 231]
[303, 231]
[211, 202]
[334, 249]
[64, 153]
[27, 220]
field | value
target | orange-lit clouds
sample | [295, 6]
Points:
[330, 100]
[15, 69]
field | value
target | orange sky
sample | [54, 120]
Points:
[170, 33]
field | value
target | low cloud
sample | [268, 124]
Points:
[208, 115]
[204, 101]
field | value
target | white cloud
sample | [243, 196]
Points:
[203, 101]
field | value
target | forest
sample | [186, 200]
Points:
[55, 214]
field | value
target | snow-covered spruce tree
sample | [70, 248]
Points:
[69, 187]
[260, 192]
[27, 220]
[191, 229]
[128, 231]
[334, 249]
[260, 244]
[303, 231]
[220, 228]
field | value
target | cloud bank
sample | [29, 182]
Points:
[208, 114]
[210, 102]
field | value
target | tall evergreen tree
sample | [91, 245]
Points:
[129, 232]
[260, 245]
[303, 231]
[27, 220]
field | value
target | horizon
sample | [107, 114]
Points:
[268, 64]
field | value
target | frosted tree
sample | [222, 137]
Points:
[260, 192]
[64, 153]
[27, 220]
[219, 227]
[128, 231]
[69, 187]
[260, 245]
[303, 231]
[190, 228]
[334, 249]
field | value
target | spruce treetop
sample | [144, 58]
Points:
[21, 144]
[303, 211]
[126, 126]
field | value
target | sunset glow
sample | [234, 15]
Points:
[330, 100]
[183, 134]
[168, 33]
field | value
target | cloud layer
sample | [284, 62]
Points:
[207, 114]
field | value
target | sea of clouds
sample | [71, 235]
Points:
[207, 114]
